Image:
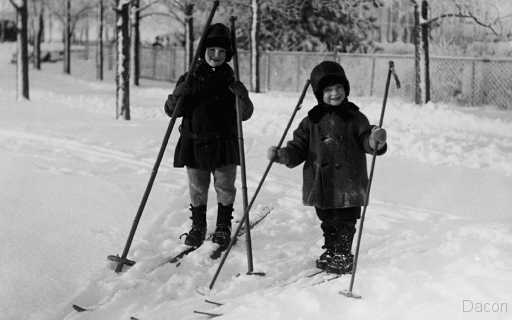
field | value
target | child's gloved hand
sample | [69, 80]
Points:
[278, 155]
[378, 137]
[239, 89]
[169, 105]
[272, 153]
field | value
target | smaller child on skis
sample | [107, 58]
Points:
[208, 143]
[332, 141]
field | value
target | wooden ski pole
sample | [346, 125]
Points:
[123, 259]
[349, 292]
[246, 212]
[240, 133]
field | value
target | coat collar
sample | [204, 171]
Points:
[346, 111]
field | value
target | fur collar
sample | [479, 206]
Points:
[346, 111]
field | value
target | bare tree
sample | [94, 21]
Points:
[67, 38]
[422, 27]
[22, 83]
[69, 16]
[122, 10]
[135, 41]
[254, 45]
[99, 47]
[37, 13]
[189, 34]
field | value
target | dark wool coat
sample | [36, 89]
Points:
[333, 142]
[208, 131]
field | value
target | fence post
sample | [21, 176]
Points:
[154, 62]
[267, 53]
[473, 82]
[297, 80]
[110, 56]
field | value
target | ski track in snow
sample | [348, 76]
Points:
[93, 153]
[415, 263]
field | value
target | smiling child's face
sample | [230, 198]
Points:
[334, 95]
[215, 56]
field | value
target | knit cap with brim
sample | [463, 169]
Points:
[325, 74]
[218, 35]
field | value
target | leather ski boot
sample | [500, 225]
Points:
[342, 258]
[222, 234]
[195, 237]
[326, 256]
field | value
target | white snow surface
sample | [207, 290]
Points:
[437, 236]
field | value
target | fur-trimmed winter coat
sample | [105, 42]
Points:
[208, 132]
[332, 142]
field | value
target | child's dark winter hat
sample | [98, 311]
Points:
[325, 74]
[218, 35]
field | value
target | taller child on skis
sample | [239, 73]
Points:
[332, 142]
[208, 134]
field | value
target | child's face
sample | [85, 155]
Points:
[334, 95]
[215, 56]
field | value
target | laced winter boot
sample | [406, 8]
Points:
[197, 233]
[326, 256]
[342, 258]
[222, 234]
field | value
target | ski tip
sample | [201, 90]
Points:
[213, 302]
[78, 308]
[209, 314]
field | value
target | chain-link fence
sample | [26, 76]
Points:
[466, 81]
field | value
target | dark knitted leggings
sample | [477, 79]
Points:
[339, 227]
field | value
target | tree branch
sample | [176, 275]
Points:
[463, 16]
[14, 5]
[150, 4]
[165, 14]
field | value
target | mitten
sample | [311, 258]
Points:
[272, 153]
[169, 105]
[238, 89]
[377, 138]
[277, 154]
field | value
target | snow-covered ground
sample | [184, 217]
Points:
[436, 244]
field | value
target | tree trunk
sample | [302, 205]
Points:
[39, 37]
[2, 31]
[99, 47]
[123, 60]
[419, 66]
[22, 87]
[135, 42]
[425, 38]
[67, 38]
[254, 46]
[49, 34]
[189, 35]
